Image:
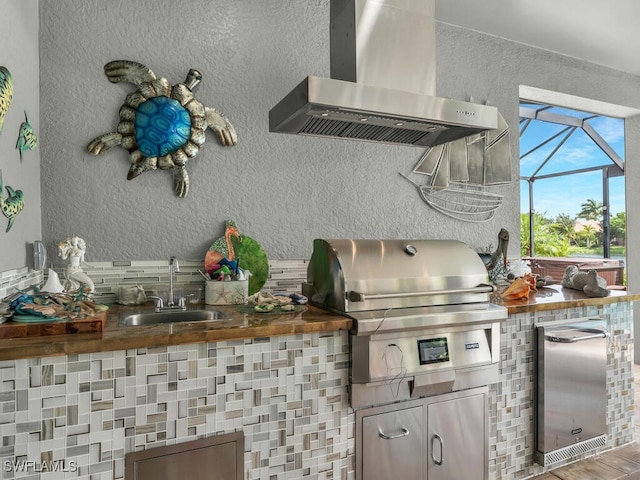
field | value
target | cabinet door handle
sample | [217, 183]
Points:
[404, 433]
[441, 442]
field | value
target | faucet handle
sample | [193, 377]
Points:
[159, 301]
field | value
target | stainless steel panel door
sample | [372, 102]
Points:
[393, 445]
[572, 386]
[220, 457]
[456, 439]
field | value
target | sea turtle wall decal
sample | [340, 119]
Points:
[12, 205]
[27, 139]
[162, 126]
[6, 93]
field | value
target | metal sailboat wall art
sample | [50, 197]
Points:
[460, 175]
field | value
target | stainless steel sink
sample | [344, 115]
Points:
[176, 316]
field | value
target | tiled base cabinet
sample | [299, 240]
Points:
[77, 416]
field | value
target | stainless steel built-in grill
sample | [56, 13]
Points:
[423, 323]
[423, 328]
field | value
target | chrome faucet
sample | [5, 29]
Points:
[171, 305]
[173, 268]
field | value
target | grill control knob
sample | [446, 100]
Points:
[410, 250]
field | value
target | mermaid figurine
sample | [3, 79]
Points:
[74, 248]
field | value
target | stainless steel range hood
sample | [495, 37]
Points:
[382, 83]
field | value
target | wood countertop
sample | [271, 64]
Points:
[556, 297]
[236, 326]
[240, 325]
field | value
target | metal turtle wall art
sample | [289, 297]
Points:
[162, 126]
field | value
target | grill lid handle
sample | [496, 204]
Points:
[354, 296]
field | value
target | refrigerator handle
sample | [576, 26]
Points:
[596, 333]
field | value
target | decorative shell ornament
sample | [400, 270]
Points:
[162, 126]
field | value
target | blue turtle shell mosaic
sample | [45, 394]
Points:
[162, 126]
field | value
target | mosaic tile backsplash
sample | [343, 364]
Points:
[284, 276]
[19, 279]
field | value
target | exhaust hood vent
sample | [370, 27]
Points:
[382, 82]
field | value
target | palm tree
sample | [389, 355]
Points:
[591, 210]
[589, 234]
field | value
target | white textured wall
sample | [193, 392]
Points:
[632, 180]
[19, 41]
[282, 190]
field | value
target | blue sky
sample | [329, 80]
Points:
[566, 194]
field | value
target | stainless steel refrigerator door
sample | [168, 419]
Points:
[572, 390]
